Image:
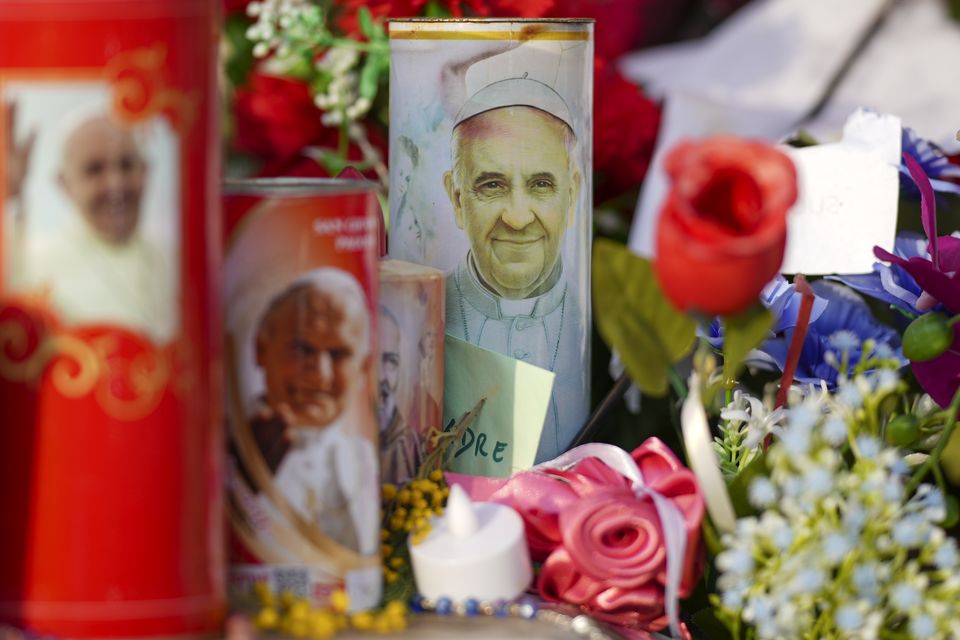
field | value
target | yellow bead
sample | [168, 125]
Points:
[339, 601]
[403, 497]
[400, 513]
[267, 618]
[436, 475]
[420, 503]
[391, 577]
[437, 497]
[417, 495]
[362, 620]
[396, 608]
[386, 550]
[421, 523]
[396, 563]
[287, 598]
[384, 535]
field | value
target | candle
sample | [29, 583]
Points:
[475, 550]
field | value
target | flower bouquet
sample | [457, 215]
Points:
[817, 418]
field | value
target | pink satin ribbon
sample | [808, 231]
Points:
[562, 502]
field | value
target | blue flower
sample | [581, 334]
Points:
[891, 283]
[781, 298]
[845, 311]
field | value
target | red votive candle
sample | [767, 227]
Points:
[110, 335]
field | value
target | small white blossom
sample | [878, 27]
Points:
[762, 493]
[844, 340]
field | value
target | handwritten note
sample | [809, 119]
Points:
[848, 198]
[506, 433]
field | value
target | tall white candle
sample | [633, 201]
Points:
[475, 550]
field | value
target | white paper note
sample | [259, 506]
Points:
[848, 198]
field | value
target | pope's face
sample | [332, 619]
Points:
[514, 192]
[103, 175]
[310, 350]
[389, 359]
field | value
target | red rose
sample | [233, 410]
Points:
[276, 118]
[624, 134]
[723, 227]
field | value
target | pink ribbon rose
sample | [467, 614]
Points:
[600, 532]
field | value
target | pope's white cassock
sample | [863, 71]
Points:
[330, 477]
[544, 331]
[89, 281]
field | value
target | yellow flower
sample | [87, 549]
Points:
[266, 619]
[362, 620]
[339, 601]
[388, 491]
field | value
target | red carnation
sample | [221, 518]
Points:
[625, 131]
[276, 118]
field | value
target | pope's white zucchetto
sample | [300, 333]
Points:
[515, 92]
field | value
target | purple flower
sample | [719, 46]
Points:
[892, 283]
[932, 160]
[938, 277]
[845, 324]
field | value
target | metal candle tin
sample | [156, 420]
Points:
[110, 422]
[490, 181]
[301, 313]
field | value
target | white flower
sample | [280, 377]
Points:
[736, 561]
[836, 546]
[905, 597]
[834, 431]
[869, 446]
[844, 340]
[946, 556]
[848, 618]
[923, 626]
[762, 492]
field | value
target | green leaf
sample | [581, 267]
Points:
[710, 626]
[369, 78]
[635, 318]
[738, 487]
[366, 23]
[436, 9]
[741, 333]
[953, 8]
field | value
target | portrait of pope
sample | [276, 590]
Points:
[514, 185]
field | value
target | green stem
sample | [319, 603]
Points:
[710, 537]
[934, 459]
[679, 386]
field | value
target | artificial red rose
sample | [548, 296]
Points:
[624, 25]
[276, 118]
[723, 226]
[624, 134]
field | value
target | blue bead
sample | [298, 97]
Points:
[527, 608]
[444, 606]
[501, 608]
[471, 607]
[416, 604]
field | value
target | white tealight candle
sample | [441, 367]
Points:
[476, 550]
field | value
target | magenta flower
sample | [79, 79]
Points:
[939, 278]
